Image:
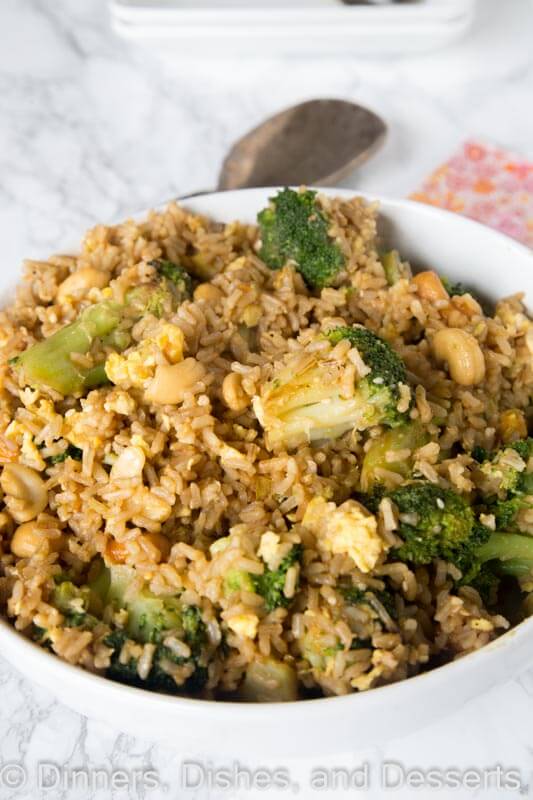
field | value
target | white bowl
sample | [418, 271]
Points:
[462, 250]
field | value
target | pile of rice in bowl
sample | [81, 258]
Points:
[262, 462]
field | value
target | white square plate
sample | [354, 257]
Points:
[258, 27]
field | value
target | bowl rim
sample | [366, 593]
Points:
[24, 649]
[228, 710]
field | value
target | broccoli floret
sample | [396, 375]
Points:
[170, 286]
[506, 511]
[150, 298]
[294, 228]
[159, 678]
[194, 629]
[80, 619]
[69, 452]
[484, 580]
[40, 635]
[307, 401]
[352, 594]
[151, 619]
[464, 558]
[123, 672]
[506, 553]
[271, 583]
[73, 602]
[479, 454]
[237, 580]
[438, 523]
[377, 462]
[319, 646]
[512, 483]
[453, 288]
[524, 448]
[361, 644]
[355, 596]
[381, 386]
[179, 277]
[66, 596]
[507, 476]
[150, 616]
[386, 599]
[434, 523]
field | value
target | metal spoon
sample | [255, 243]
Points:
[315, 143]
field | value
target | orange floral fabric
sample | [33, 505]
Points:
[487, 184]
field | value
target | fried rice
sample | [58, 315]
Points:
[185, 492]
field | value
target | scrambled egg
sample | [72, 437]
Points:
[29, 452]
[120, 402]
[18, 433]
[244, 625]
[270, 550]
[349, 529]
[136, 368]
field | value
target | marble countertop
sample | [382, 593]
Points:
[92, 127]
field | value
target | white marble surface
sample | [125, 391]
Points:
[92, 127]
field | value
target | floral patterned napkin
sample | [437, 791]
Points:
[488, 184]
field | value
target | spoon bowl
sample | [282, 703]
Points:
[316, 143]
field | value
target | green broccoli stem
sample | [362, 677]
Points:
[49, 362]
[513, 551]
[96, 376]
[516, 567]
[392, 267]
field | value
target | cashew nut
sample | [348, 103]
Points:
[512, 425]
[430, 286]
[80, 282]
[25, 492]
[207, 292]
[6, 523]
[462, 353]
[171, 383]
[29, 538]
[149, 505]
[233, 394]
